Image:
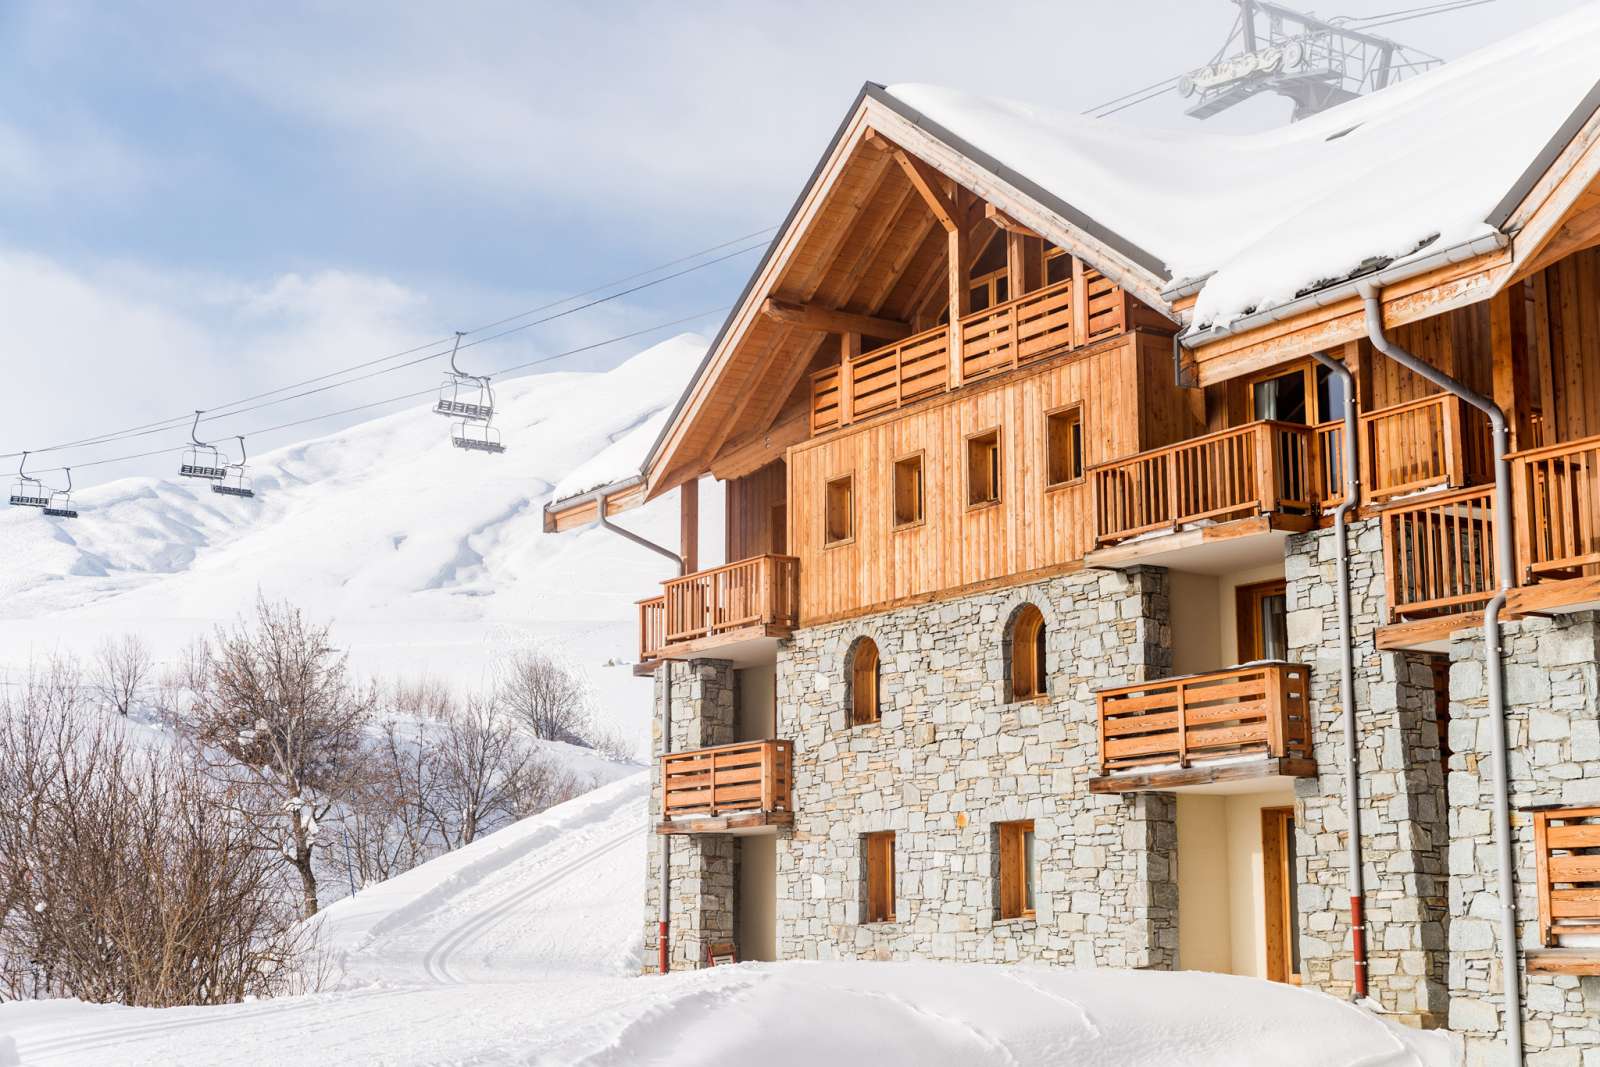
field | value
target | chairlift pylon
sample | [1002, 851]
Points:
[238, 482]
[462, 395]
[28, 491]
[476, 437]
[202, 460]
[60, 504]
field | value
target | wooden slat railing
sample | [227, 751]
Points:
[1566, 844]
[1017, 331]
[762, 590]
[1260, 708]
[652, 628]
[1439, 553]
[1107, 306]
[754, 776]
[886, 378]
[1258, 468]
[1328, 472]
[1558, 509]
[1436, 441]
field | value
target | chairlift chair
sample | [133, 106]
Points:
[202, 460]
[476, 437]
[238, 482]
[28, 491]
[60, 505]
[463, 395]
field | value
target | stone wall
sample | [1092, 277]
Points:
[703, 865]
[1553, 726]
[1402, 790]
[950, 758]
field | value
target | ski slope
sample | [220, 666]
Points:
[426, 559]
[523, 948]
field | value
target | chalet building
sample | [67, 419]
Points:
[1040, 439]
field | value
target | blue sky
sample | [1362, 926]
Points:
[206, 200]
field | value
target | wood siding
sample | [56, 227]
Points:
[756, 504]
[958, 546]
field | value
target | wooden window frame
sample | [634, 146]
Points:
[1276, 877]
[895, 521]
[1307, 368]
[1053, 252]
[1016, 876]
[828, 541]
[1247, 613]
[1030, 673]
[865, 688]
[1050, 418]
[878, 897]
[999, 467]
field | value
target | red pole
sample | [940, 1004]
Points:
[661, 952]
[1358, 945]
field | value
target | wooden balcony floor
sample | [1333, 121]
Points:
[739, 822]
[1218, 776]
[1218, 549]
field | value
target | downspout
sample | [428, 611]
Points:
[1494, 665]
[1347, 677]
[664, 917]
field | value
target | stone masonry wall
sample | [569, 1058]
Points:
[703, 865]
[950, 758]
[1553, 727]
[1402, 790]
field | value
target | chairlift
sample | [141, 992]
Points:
[28, 491]
[60, 505]
[463, 395]
[237, 483]
[202, 460]
[476, 437]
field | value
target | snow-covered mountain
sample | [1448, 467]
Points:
[426, 559]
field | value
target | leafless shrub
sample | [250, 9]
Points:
[611, 742]
[122, 668]
[124, 873]
[550, 698]
[387, 819]
[282, 723]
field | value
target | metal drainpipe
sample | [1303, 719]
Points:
[664, 917]
[1494, 665]
[1347, 678]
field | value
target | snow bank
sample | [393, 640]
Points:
[1267, 214]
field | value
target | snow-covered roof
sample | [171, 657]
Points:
[1264, 216]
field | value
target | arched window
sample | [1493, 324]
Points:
[1029, 675]
[864, 682]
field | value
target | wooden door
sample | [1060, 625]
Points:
[1261, 615]
[1279, 883]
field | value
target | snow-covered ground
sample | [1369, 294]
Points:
[523, 948]
[426, 559]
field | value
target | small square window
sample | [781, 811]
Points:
[908, 500]
[841, 511]
[1016, 869]
[983, 468]
[879, 855]
[1064, 445]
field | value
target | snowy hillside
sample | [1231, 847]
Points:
[425, 558]
[517, 949]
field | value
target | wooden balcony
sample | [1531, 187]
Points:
[1438, 441]
[1566, 849]
[1263, 472]
[726, 609]
[1245, 723]
[1059, 317]
[1438, 553]
[1558, 510]
[728, 788]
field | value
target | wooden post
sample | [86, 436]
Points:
[960, 298]
[1273, 681]
[1508, 344]
[689, 525]
[1080, 304]
[1016, 263]
[1266, 468]
[1183, 724]
[1541, 858]
[849, 349]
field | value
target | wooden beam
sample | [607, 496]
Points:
[689, 524]
[849, 349]
[750, 454]
[927, 182]
[960, 295]
[1017, 262]
[820, 319]
[1006, 222]
[1508, 346]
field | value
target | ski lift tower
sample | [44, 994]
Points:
[1317, 63]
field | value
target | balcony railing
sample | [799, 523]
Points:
[748, 778]
[760, 591]
[1436, 441]
[1007, 335]
[1566, 849]
[1255, 710]
[1558, 509]
[1439, 553]
[1258, 468]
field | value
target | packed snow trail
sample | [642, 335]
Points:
[524, 947]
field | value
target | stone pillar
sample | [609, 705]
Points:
[703, 874]
[1553, 728]
[1402, 789]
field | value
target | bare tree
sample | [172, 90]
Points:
[388, 818]
[122, 667]
[546, 695]
[123, 874]
[281, 721]
[480, 765]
